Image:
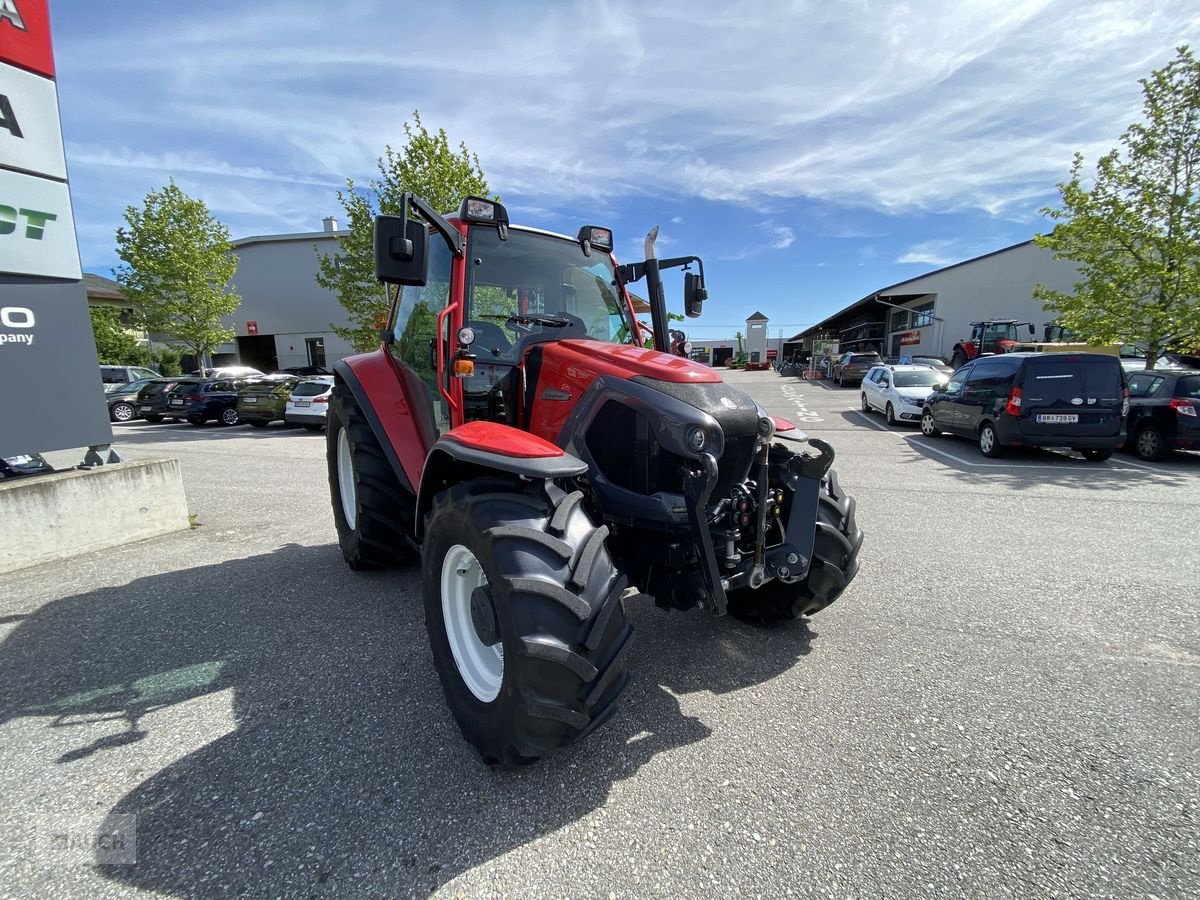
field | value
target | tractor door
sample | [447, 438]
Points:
[416, 345]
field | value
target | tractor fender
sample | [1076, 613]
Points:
[390, 399]
[481, 448]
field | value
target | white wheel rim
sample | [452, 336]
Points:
[986, 439]
[927, 424]
[230, 416]
[481, 666]
[123, 413]
[345, 473]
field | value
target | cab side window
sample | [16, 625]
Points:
[416, 326]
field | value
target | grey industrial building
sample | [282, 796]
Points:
[286, 319]
[926, 315]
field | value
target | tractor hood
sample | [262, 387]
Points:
[590, 359]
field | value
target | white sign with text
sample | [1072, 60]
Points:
[30, 133]
[37, 229]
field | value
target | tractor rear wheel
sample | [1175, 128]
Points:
[834, 563]
[525, 617]
[372, 511]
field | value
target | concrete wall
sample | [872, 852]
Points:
[276, 278]
[998, 286]
[48, 517]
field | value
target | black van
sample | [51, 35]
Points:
[1075, 400]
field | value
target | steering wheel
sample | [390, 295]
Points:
[490, 337]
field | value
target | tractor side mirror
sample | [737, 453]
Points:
[694, 295]
[1029, 325]
[401, 251]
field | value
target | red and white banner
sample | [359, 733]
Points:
[910, 337]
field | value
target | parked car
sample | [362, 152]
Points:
[851, 368]
[152, 399]
[1164, 413]
[309, 402]
[1075, 400]
[262, 400]
[226, 372]
[198, 400]
[899, 392]
[933, 362]
[123, 400]
[114, 376]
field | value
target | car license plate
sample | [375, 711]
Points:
[145, 409]
[177, 403]
[304, 403]
[250, 399]
[1060, 419]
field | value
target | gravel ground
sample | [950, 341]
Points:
[1004, 703]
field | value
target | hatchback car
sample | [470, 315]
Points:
[851, 368]
[1164, 413]
[933, 362]
[123, 400]
[261, 401]
[309, 402]
[154, 397]
[198, 400]
[1075, 400]
[899, 392]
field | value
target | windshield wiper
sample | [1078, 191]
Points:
[548, 321]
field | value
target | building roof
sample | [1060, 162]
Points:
[757, 317]
[299, 236]
[892, 290]
[101, 288]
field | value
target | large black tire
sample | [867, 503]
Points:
[558, 615]
[958, 360]
[382, 510]
[834, 564]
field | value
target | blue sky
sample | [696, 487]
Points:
[810, 152]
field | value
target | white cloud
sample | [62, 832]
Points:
[933, 253]
[780, 236]
[920, 106]
[678, 220]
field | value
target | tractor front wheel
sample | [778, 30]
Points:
[525, 617]
[834, 564]
[372, 511]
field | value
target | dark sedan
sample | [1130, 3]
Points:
[123, 400]
[851, 368]
[1164, 413]
[199, 399]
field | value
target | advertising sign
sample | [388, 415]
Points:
[54, 399]
[37, 230]
[30, 134]
[25, 35]
[252, 327]
[910, 337]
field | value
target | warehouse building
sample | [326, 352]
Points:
[927, 315]
[286, 319]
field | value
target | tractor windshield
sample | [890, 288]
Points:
[538, 284]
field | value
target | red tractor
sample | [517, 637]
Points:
[991, 336]
[512, 434]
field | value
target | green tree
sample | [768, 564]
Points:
[177, 267]
[426, 165]
[1135, 232]
[114, 345]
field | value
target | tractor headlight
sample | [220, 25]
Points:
[696, 439]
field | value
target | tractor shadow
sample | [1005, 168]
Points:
[343, 772]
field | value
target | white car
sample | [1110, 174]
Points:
[308, 402]
[899, 391]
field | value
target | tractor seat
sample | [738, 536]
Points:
[490, 338]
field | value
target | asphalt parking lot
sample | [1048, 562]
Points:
[1006, 702]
